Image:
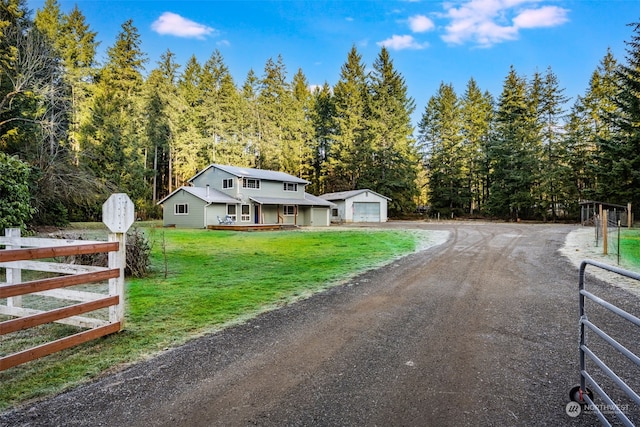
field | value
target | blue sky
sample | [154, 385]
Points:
[430, 41]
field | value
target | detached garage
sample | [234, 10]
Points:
[358, 206]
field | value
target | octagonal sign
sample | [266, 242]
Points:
[118, 213]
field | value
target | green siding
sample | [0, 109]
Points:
[195, 218]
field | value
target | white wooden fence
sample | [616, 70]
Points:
[27, 253]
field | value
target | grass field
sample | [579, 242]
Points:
[201, 281]
[630, 248]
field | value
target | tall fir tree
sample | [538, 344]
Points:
[512, 151]
[350, 146]
[477, 123]
[113, 134]
[323, 119]
[441, 135]
[274, 101]
[297, 155]
[393, 165]
[620, 182]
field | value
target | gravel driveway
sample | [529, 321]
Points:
[480, 330]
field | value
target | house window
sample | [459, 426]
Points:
[227, 183]
[250, 183]
[334, 212]
[181, 209]
[246, 217]
[289, 210]
[290, 186]
[231, 211]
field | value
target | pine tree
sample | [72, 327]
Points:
[620, 183]
[297, 156]
[512, 152]
[350, 147]
[323, 121]
[588, 126]
[162, 106]
[442, 139]
[394, 166]
[477, 119]
[250, 118]
[275, 103]
[113, 134]
[555, 176]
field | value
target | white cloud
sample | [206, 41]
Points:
[175, 25]
[396, 42]
[420, 24]
[548, 16]
[487, 22]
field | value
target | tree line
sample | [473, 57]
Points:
[85, 129]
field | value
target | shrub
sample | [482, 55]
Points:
[138, 253]
[15, 209]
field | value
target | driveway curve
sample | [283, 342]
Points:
[480, 330]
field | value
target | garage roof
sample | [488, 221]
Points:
[343, 195]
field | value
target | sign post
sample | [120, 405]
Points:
[118, 214]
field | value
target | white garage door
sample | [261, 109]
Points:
[366, 212]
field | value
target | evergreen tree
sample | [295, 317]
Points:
[477, 118]
[114, 132]
[250, 119]
[297, 156]
[394, 166]
[555, 178]
[620, 181]
[186, 154]
[350, 146]
[162, 107]
[512, 152]
[587, 127]
[441, 135]
[323, 119]
[275, 103]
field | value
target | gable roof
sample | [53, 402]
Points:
[264, 174]
[209, 195]
[343, 195]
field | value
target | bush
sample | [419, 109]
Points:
[15, 209]
[138, 253]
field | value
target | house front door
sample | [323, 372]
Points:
[256, 214]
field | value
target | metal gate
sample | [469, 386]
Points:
[583, 394]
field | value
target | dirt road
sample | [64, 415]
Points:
[481, 330]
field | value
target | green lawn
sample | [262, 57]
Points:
[213, 279]
[630, 248]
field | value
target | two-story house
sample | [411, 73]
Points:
[247, 196]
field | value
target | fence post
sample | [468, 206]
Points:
[629, 216]
[605, 225]
[118, 215]
[14, 275]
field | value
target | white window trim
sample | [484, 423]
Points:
[292, 184]
[245, 217]
[227, 183]
[186, 209]
[256, 182]
[232, 216]
[284, 210]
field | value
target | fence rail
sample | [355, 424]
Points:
[23, 253]
[583, 394]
